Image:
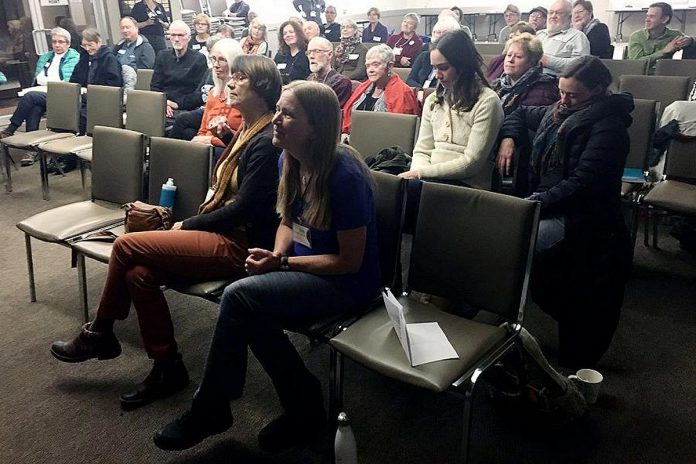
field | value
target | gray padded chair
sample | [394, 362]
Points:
[372, 131]
[676, 68]
[402, 72]
[479, 252]
[62, 120]
[145, 112]
[103, 109]
[117, 178]
[491, 48]
[677, 193]
[664, 89]
[618, 68]
[189, 164]
[144, 79]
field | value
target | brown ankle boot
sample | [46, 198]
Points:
[87, 345]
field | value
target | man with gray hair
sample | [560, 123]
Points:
[331, 29]
[55, 65]
[320, 54]
[178, 71]
[311, 30]
[511, 15]
[562, 44]
[406, 45]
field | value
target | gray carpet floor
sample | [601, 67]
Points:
[51, 412]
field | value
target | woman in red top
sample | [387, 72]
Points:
[382, 91]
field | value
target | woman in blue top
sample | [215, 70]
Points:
[325, 258]
[375, 32]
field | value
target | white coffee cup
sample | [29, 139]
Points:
[589, 381]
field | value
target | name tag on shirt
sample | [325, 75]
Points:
[312, 13]
[353, 56]
[377, 38]
[301, 235]
[122, 52]
[282, 65]
[397, 50]
[151, 15]
[209, 195]
[196, 47]
[47, 65]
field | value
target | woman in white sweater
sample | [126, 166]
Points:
[461, 119]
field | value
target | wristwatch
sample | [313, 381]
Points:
[284, 264]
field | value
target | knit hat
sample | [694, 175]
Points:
[541, 10]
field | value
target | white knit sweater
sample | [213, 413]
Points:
[456, 144]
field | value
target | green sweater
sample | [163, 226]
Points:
[642, 47]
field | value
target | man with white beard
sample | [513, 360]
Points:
[562, 44]
[320, 53]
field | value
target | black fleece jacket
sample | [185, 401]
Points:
[178, 77]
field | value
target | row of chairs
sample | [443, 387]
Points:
[144, 109]
[471, 256]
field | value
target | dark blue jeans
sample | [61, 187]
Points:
[29, 109]
[251, 315]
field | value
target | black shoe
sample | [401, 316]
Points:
[28, 160]
[87, 345]
[167, 377]
[193, 427]
[287, 432]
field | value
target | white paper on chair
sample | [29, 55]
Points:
[422, 342]
[37, 88]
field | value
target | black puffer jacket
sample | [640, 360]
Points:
[101, 69]
[593, 146]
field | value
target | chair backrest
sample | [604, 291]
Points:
[680, 162]
[641, 133]
[372, 131]
[487, 59]
[490, 48]
[402, 72]
[104, 107]
[618, 68]
[188, 163]
[676, 68]
[117, 164]
[474, 247]
[145, 112]
[664, 89]
[390, 202]
[63, 106]
[144, 78]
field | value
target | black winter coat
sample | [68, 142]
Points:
[102, 69]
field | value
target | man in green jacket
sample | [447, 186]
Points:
[56, 65]
[656, 41]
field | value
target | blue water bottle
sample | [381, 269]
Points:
[167, 194]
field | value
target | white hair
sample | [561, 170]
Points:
[180, 24]
[229, 49]
[381, 51]
[61, 32]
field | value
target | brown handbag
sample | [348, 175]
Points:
[143, 216]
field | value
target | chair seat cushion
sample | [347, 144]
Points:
[96, 249]
[209, 290]
[628, 188]
[673, 195]
[68, 221]
[66, 146]
[33, 138]
[85, 154]
[372, 342]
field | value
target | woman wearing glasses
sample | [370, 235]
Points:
[325, 251]
[201, 24]
[238, 214]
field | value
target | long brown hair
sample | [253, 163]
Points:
[321, 107]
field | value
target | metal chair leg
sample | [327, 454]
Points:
[467, 422]
[83, 169]
[646, 227]
[8, 171]
[82, 285]
[43, 164]
[655, 224]
[30, 266]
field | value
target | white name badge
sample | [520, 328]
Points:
[411, 42]
[312, 13]
[196, 47]
[353, 56]
[122, 52]
[209, 195]
[151, 15]
[301, 235]
[397, 50]
[377, 38]
[282, 65]
[47, 65]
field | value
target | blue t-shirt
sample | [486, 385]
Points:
[352, 206]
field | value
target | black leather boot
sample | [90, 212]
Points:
[167, 377]
[87, 345]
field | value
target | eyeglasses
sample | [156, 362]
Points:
[174, 34]
[238, 77]
[214, 59]
[316, 50]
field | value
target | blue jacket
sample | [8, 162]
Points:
[67, 64]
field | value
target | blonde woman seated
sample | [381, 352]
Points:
[460, 121]
[382, 91]
[256, 43]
